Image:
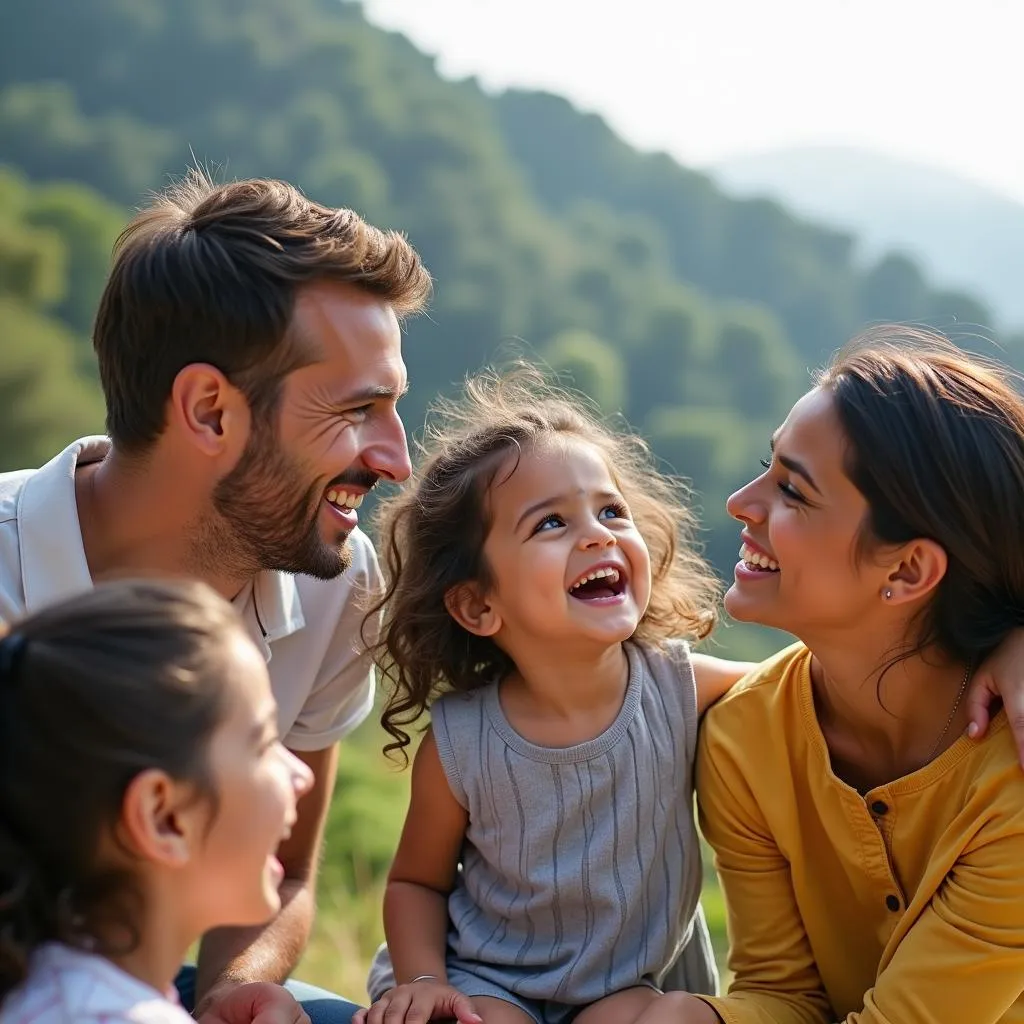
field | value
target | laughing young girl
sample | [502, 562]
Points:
[143, 792]
[543, 579]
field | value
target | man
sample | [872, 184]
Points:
[249, 350]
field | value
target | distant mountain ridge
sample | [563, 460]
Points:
[964, 234]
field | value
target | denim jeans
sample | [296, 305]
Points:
[322, 1006]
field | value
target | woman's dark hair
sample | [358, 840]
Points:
[93, 691]
[935, 443]
[433, 534]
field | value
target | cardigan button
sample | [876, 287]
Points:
[892, 902]
[879, 807]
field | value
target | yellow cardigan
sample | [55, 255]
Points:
[904, 906]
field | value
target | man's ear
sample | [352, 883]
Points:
[209, 411]
[920, 569]
[161, 822]
[468, 606]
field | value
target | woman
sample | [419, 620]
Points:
[871, 854]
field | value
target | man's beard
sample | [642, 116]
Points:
[266, 517]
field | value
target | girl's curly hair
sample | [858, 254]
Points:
[432, 537]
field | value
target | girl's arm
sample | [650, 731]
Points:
[416, 900]
[715, 677]
[423, 872]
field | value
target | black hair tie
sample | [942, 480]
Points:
[12, 650]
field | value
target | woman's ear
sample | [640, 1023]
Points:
[160, 821]
[468, 606]
[920, 570]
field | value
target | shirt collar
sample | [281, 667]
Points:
[276, 604]
[53, 562]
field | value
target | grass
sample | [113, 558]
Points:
[363, 828]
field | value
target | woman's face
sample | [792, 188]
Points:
[799, 569]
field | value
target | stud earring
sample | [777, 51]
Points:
[887, 593]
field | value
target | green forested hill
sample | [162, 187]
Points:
[750, 250]
[695, 315]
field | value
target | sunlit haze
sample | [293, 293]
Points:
[933, 83]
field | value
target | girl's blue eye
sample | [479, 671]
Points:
[767, 463]
[613, 512]
[550, 521]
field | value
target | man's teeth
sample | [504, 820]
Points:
[345, 500]
[755, 558]
[597, 574]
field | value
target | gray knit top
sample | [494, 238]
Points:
[580, 868]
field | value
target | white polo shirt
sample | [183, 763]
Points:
[308, 629]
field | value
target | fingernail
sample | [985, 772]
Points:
[972, 730]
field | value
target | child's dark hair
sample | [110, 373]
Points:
[432, 536]
[93, 691]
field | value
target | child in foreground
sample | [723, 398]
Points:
[143, 792]
[543, 582]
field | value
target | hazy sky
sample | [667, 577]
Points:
[935, 81]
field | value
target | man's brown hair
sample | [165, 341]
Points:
[209, 273]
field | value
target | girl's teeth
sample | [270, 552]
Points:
[598, 574]
[345, 500]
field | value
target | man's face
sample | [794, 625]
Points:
[290, 503]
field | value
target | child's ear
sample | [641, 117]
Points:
[159, 821]
[468, 606]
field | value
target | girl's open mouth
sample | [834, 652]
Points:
[599, 584]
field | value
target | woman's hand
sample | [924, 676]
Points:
[417, 1003]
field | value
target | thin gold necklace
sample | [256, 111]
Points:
[952, 714]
